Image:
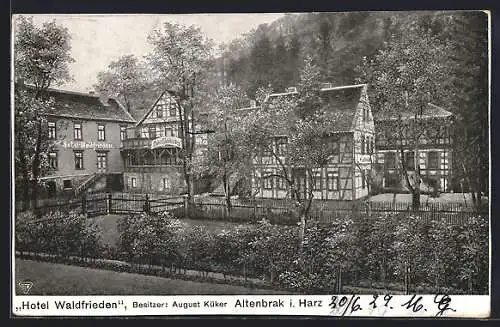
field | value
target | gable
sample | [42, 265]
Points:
[161, 111]
[363, 118]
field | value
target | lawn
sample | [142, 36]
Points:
[108, 226]
[58, 279]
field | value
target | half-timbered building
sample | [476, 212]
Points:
[152, 150]
[345, 177]
[434, 151]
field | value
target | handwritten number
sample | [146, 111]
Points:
[332, 304]
[372, 303]
[387, 299]
[413, 304]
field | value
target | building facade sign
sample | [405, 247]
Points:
[166, 142]
[85, 145]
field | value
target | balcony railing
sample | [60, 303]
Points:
[136, 143]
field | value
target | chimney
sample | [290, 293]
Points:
[104, 97]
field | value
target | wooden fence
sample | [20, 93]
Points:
[278, 211]
[96, 204]
[282, 210]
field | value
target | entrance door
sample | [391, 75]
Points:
[102, 162]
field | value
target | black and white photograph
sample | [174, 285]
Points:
[259, 154]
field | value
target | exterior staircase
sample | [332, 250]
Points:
[87, 183]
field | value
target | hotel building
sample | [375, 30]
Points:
[152, 151]
[87, 131]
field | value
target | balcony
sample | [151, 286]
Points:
[165, 142]
[136, 143]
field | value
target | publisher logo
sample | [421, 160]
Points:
[25, 286]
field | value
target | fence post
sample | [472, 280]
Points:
[108, 203]
[84, 203]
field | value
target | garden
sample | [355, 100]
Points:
[388, 252]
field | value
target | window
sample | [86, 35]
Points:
[317, 181]
[52, 130]
[391, 180]
[168, 131]
[77, 131]
[102, 160]
[101, 132]
[172, 112]
[410, 160]
[332, 181]
[159, 111]
[165, 183]
[432, 160]
[281, 146]
[152, 132]
[280, 183]
[362, 144]
[390, 160]
[134, 182]
[267, 182]
[123, 133]
[160, 131]
[144, 133]
[67, 184]
[53, 160]
[78, 159]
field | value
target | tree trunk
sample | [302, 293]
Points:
[36, 162]
[415, 199]
[25, 177]
[302, 230]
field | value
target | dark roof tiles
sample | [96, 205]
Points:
[86, 106]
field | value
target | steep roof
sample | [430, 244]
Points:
[340, 104]
[85, 106]
[430, 111]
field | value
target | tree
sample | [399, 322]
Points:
[261, 60]
[279, 78]
[405, 76]
[224, 158]
[125, 79]
[468, 35]
[41, 59]
[179, 58]
[304, 127]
